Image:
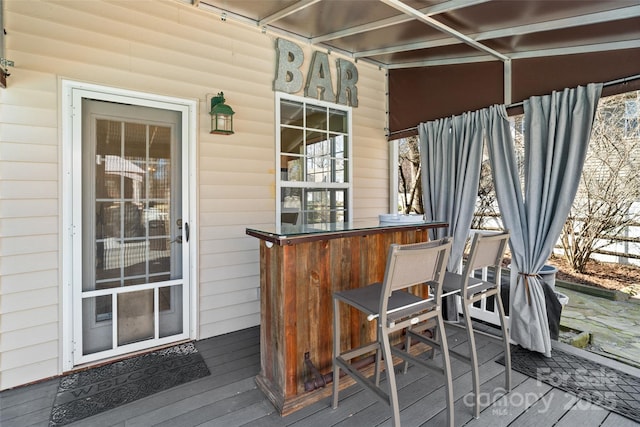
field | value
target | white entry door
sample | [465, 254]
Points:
[131, 282]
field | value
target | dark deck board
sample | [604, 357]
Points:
[548, 409]
[29, 405]
[506, 409]
[462, 410]
[216, 411]
[583, 414]
[191, 403]
[615, 420]
[229, 397]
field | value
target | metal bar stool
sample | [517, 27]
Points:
[394, 309]
[487, 250]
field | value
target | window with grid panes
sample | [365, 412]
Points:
[314, 161]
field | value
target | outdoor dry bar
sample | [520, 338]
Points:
[300, 267]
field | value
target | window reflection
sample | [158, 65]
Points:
[313, 151]
[133, 186]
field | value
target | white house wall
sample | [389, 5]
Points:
[160, 47]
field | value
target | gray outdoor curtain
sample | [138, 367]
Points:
[557, 131]
[451, 158]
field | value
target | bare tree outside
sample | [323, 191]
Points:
[486, 203]
[409, 182]
[487, 212]
[610, 184]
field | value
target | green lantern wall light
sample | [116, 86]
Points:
[221, 116]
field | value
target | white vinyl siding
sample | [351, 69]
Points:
[160, 47]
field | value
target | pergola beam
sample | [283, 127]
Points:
[396, 20]
[296, 7]
[593, 18]
[541, 53]
[397, 4]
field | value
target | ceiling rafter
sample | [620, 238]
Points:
[447, 6]
[588, 19]
[444, 28]
[296, 7]
[572, 50]
[599, 47]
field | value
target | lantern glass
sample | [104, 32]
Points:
[221, 116]
[223, 123]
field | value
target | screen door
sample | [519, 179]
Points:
[134, 294]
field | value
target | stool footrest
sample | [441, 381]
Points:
[362, 380]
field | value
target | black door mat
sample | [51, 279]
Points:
[596, 383]
[86, 393]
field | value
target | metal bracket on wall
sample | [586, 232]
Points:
[4, 63]
[4, 73]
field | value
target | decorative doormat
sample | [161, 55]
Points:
[86, 393]
[593, 382]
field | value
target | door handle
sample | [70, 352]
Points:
[180, 225]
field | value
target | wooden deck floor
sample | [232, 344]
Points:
[229, 397]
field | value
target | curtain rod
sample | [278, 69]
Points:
[521, 103]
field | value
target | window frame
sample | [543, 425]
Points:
[3, 67]
[348, 157]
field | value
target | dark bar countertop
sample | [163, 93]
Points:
[290, 234]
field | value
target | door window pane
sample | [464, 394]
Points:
[133, 198]
[96, 324]
[170, 301]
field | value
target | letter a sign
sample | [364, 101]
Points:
[289, 77]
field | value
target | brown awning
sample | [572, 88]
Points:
[428, 93]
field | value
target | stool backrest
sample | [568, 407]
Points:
[487, 250]
[415, 264]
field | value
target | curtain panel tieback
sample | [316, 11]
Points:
[525, 277]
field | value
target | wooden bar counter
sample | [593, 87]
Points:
[300, 268]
